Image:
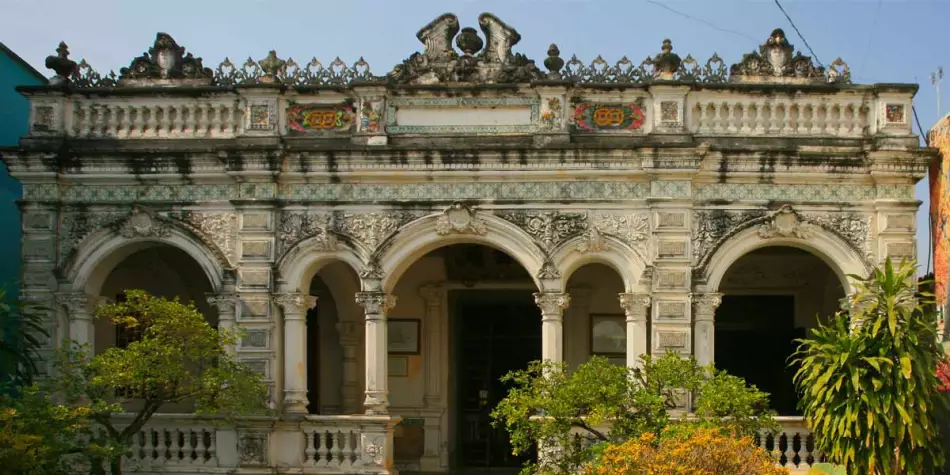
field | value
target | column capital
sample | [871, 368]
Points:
[432, 294]
[295, 303]
[705, 305]
[635, 305]
[224, 302]
[78, 304]
[375, 303]
[552, 303]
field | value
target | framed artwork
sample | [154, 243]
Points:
[404, 336]
[608, 335]
[399, 366]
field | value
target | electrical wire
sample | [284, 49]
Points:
[930, 249]
[690, 17]
[813, 55]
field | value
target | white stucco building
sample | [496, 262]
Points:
[393, 244]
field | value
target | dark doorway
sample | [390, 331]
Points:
[754, 337]
[313, 361]
[495, 332]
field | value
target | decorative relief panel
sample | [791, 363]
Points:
[255, 339]
[261, 115]
[295, 226]
[669, 310]
[609, 117]
[44, 119]
[672, 340]
[255, 309]
[901, 250]
[258, 366]
[371, 229]
[710, 227]
[633, 229]
[549, 228]
[37, 221]
[256, 250]
[894, 113]
[252, 448]
[670, 279]
[309, 119]
[255, 278]
[671, 220]
[371, 116]
[902, 222]
[218, 228]
[551, 113]
[255, 221]
[670, 249]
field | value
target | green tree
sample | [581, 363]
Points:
[179, 357]
[21, 335]
[601, 403]
[867, 379]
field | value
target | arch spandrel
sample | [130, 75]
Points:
[460, 225]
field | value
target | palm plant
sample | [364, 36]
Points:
[21, 334]
[867, 380]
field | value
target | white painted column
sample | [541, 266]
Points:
[636, 308]
[226, 304]
[295, 306]
[704, 317]
[376, 304]
[80, 313]
[435, 359]
[552, 306]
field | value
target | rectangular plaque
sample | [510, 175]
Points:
[671, 249]
[671, 310]
[671, 279]
[671, 219]
[255, 250]
[255, 222]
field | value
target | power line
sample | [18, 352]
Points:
[690, 17]
[813, 55]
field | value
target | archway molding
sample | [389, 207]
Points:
[297, 267]
[428, 233]
[608, 250]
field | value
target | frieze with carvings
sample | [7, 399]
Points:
[219, 229]
[304, 119]
[371, 229]
[295, 226]
[549, 228]
[713, 226]
[609, 117]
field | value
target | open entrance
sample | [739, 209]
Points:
[495, 332]
[771, 297]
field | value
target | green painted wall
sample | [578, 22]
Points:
[14, 118]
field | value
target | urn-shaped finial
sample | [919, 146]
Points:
[667, 62]
[271, 66]
[468, 41]
[61, 64]
[554, 62]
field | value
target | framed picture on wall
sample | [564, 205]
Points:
[398, 366]
[608, 335]
[404, 336]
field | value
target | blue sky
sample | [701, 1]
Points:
[882, 40]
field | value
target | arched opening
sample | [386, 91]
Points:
[772, 296]
[161, 270]
[594, 324]
[465, 316]
[334, 342]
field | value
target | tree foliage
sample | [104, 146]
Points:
[867, 379]
[21, 335]
[178, 358]
[600, 402]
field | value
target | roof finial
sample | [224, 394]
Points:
[61, 64]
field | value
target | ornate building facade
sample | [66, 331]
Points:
[392, 245]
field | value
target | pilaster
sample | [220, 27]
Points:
[295, 307]
[377, 305]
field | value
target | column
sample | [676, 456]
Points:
[636, 308]
[79, 309]
[432, 457]
[704, 316]
[295, 306]
[552, 306]
[350, 334]
[226, 305]
[376, 305]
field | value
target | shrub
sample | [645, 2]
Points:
[686, 452]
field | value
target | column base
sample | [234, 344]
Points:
[376, 402]
[296, 402]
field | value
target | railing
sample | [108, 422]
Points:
[792, 446]
[157, 119]
[185, 444]
[722, 114]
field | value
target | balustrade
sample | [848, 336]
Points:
[720, 114]
[156, 119]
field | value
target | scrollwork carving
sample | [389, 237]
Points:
[550, 228]
[371, 229]
[460, 219]
[217, 228]
[142, 223]
[294, 226]
[786, 223]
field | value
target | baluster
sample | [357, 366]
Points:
[197, 115]
[211, 455]
[347, 452]
[821, 116]
[790, 451]
[776, 118]
[763, 111]
[152, 120]
[309, 451]
[85, 124]
[720, 111]
[112, 127]
[335, 439]
[776, 448]
[322, 451]
[226, 112]
[160, 448]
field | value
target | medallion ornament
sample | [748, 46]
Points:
[460, 219]
[165, 60]
[141, 223]
[786, 223]
[600, 117]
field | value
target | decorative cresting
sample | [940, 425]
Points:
[704, 316]
[460, 219]
[476, 61]
[440, 63]
[714, 227]
[774, 62]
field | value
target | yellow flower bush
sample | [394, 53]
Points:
[697, 452]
